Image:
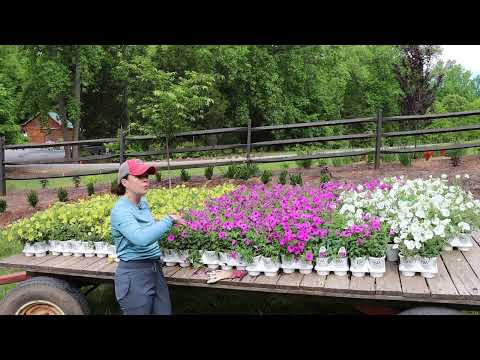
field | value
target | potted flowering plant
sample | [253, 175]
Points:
[376, 247]
[428, 255]
[409, 261]
[322, 266]
[358, 256]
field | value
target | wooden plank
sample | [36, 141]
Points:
[442, 285]
[431, 116]
[65, 263]
[336, 283]
[86, 262]
[314, 139]
[462, 275]
[431, 131]
[168, 271]
[65, 174]
[362, 285]
[313, 281]
[13, 261]
[63, 143]
[314, 124]
[267, 281]
[414, 286]
[63, 161]
[389, 284]
[109, 269]
[96, 267]
[313, 156]
[289, 281]
[422, 148]
[476, 237]
[184, 274]
[473, 257]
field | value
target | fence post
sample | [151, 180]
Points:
[3, 183]
[378, 142]
[122, 145]
[249, 139]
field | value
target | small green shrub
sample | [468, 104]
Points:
[209, 172]
[455, 156]
[3, 205]
[282, 179]
[76, 181]
[305, 163]
[185, 175]
[405, 159]
[337, 161]
[158, 176]
[91, 188]
[44, 183]
[296, 179]
[32, 198]
[231, 172]
[246, 171]
[62, 195]
[266, 176]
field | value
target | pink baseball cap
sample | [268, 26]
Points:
[134, 167]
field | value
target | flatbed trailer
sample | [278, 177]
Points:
[51, 284]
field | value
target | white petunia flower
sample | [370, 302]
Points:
[466, 176]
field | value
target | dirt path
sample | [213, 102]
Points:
[18, 206]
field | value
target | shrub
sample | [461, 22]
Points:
[62, 195]
[209, 172]
[76, 181]
[266, 176]
[305, 163]
[158, 176]
[246, 171]
[3, 205]
[405, 159]
[231, 172]
[44, 183]
[337, 162]
[324, 178]
[296, 179]
[282, 179]
[32, 198]
[184, 174]
[455, 156]
[91, 188]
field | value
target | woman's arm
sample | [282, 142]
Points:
[125, 223]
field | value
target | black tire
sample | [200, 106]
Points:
[431, 310]
[45, 294]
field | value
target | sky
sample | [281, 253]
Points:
[466, 55]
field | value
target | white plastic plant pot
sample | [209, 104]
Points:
[67, 248]
[408, 265]
[340, 266]
[428, 266]
[377, 266]
[209, 258]
[224, 261]
[447, 247]
[270, 266]
[183, 258]
[464, 242]
[28, 250]
[238, 262]
[288, 264]
[359, 266]
[112, 252]
[54, 247]
[88, 249]
[392, 254]
[170, 257]
[255, 267]
[100, 249]
[77, 248]
[305, 267]
[322, 266]
[40, 248]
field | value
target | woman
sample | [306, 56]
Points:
[140, 287]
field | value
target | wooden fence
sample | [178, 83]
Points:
[379, 120]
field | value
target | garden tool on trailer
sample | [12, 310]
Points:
[217, 275]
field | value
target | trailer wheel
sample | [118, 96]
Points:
[44, 296]
[431, 310]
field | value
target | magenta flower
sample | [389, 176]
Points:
[170, 237]
[221, 235]
[309, 256]
[290, 249]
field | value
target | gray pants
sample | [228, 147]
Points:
[141, 289]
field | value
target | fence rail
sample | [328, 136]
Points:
[378, 135]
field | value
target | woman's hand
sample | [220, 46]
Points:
[178, 219]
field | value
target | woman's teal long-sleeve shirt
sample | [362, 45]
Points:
[135, 232]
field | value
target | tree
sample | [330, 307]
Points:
[418, 84]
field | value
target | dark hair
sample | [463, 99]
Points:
[120, 189]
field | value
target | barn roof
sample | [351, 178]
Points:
[54, 116]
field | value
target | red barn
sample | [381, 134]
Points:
[37, 134]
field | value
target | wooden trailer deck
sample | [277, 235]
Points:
[458, 281]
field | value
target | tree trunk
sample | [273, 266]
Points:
[76, 91]
[63, 118]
